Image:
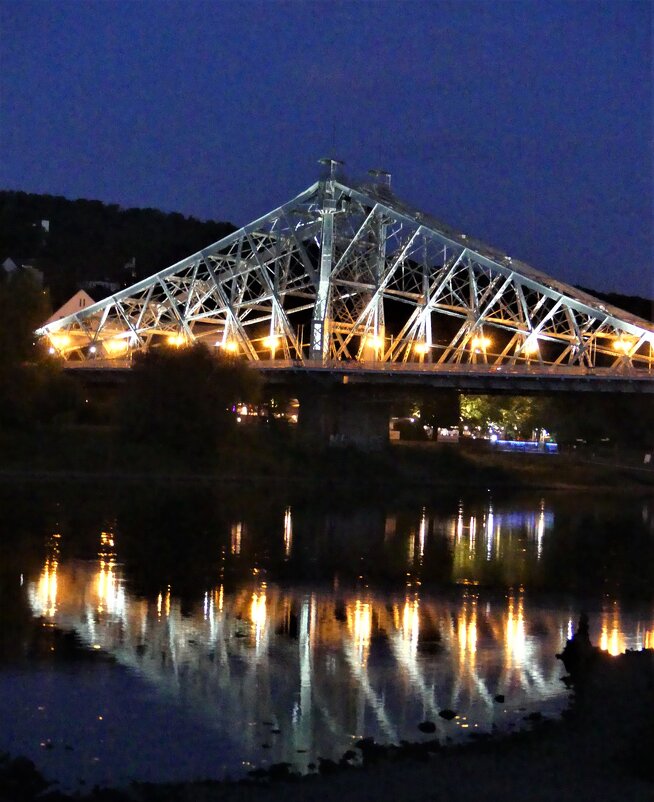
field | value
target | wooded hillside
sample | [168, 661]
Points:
[88, 240]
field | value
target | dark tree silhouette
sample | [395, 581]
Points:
[91, 241]
[182, 399]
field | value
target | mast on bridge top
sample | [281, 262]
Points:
[332, 165]
[382, 177]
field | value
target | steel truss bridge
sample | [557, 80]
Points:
[346, 276]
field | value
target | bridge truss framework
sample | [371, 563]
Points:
[346, 272]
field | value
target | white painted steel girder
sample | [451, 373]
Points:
[347, 272]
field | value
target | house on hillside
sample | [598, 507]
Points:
[106, 286]
[79, 301]
[11, 266]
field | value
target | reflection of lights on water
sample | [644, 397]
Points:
[212, 600]
[163, 603]
[288, 532]
[422, 533]
[490, 536]
[390, 525]
[540, 530]
[516, 642]
[258, 609]
[258, 615]
[47, 589]
[360, 625]
[411, 625]
[481, 648]
[237, 529]
[611, 637]
[48, 584]
[307, 634]
[109, 589]
[106, 542]
[407, 626]
[490, 526]
[467, 631]
[610, 640]
[106, 583]
[411, 550]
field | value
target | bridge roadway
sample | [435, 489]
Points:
[493, 379]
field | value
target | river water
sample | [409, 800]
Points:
[172, 633]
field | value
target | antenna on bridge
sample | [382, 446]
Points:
[332, 165]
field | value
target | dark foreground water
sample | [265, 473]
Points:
[181, 633]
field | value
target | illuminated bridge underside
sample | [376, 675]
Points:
[347, 273]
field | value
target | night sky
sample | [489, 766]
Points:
[525, 124]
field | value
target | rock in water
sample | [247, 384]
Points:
[579, 653]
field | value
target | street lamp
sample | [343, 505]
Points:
[271, 342]
[59, 341]
[176, 340]
[531, 345]
[115, 346]
[480, 343]
[622, 345]
[374, 342]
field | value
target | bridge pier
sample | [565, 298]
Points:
[344, 415]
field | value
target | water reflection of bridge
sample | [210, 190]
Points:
[242, 652]
[330, 665]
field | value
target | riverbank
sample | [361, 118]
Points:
[600, 750]
[277, 456]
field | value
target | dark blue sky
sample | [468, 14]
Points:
[525, 124]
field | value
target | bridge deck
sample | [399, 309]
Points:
[473, 378]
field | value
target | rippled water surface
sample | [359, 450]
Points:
[181, 633]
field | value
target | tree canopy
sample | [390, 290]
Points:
[516, 415]
[33, 389]
[182, 399]
[24, 305]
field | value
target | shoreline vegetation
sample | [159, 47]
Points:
[279, 456]
[600, 749]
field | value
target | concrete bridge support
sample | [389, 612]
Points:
[344, 415]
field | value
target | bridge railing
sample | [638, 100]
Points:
[345, 366]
